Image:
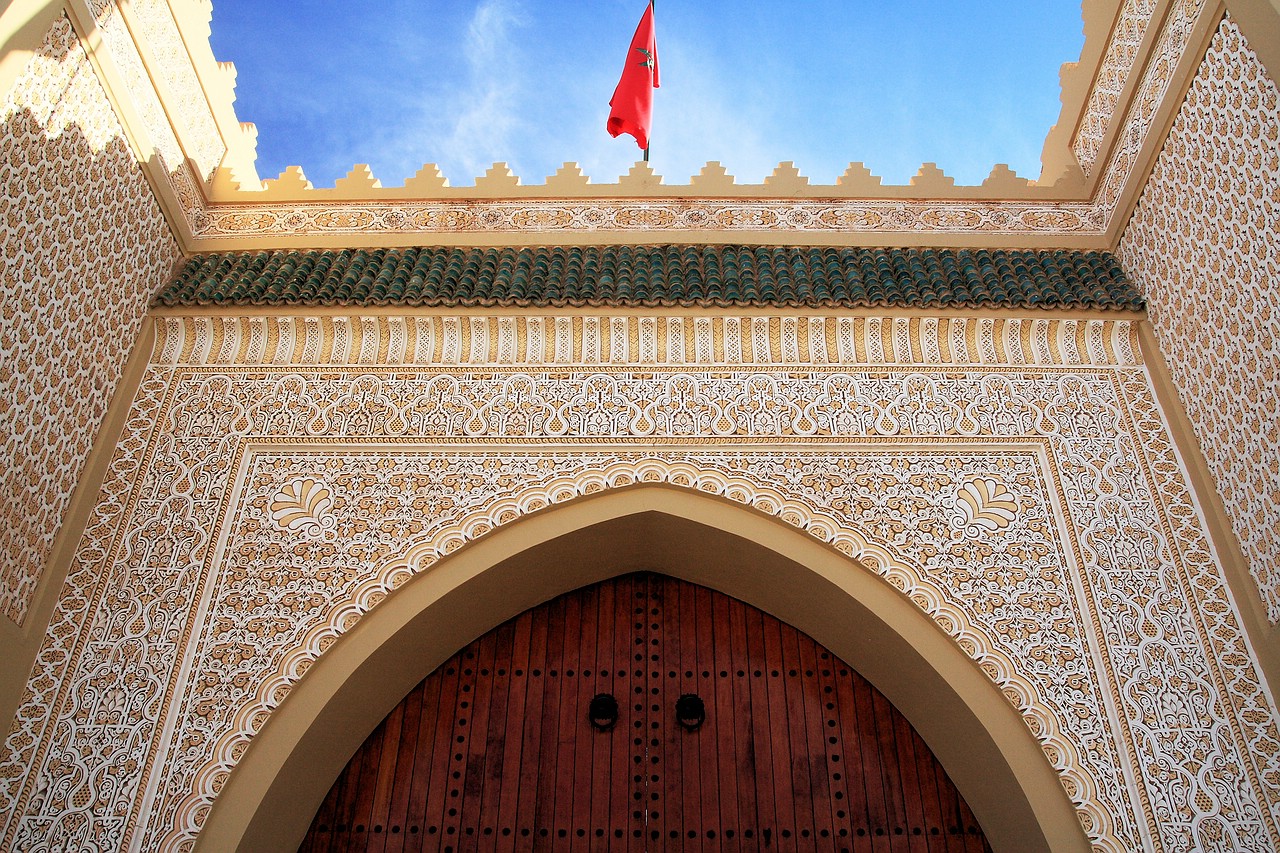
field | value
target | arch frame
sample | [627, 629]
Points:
[977, 734]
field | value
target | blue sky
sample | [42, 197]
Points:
[400, 83]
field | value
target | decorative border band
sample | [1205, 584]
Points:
[639, 340]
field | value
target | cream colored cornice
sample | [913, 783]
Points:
[176, 102]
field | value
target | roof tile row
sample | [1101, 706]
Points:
[653, 276]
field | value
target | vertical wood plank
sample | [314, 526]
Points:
[512, 749]
[489, 721]
[704, 623]
[384, 779]
[769, 665]
[532, 731]
[629, 691]
[606, 746]
[891, 771]
[567, 731]
[727, 764]
[415, 816]
[689, 676]
[362, 792]
[665, 812]
[809, 779]
[582, 780]
[544, 778]
[858, 773]
[913, 797]
[751, 780]
[398, 809]
[767, 788]
[459, 749]
[444, 754]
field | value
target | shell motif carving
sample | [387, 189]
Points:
[303, 507]
[987, 504]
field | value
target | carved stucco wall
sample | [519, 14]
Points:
[84, 245]
[1203, 247]
[279, 476]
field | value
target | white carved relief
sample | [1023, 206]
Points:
[1080, 579]
[1117, 65]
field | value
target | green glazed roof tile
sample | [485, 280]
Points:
[653, 276]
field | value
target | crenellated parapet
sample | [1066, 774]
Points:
[176, 100]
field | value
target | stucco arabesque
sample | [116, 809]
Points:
[1034, 508]
[1202, 247]
[104, 692]
[70, 313]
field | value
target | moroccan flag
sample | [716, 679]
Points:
[632, 101]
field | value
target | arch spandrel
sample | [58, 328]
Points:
[279, 494]
[685, 532]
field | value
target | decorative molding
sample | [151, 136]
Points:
[575, 339]
[1130, 30]
[920, 221]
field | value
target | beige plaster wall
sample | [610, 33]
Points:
[84, 245]
[280, 478]
[1203, 247]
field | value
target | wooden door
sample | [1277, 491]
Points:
[495, 749]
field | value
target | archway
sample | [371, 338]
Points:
[644, 713]
[980, 739]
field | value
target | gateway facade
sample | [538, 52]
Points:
[276, 453]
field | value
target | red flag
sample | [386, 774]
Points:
[632, 101]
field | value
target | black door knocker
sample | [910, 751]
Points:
[603, 711]
[690, 711]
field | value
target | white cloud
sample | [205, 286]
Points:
[487, 107]
[472, 119]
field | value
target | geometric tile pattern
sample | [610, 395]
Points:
[1203, 247]
[1038, 514]
[83, 246]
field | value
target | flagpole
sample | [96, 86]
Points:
[653, 6]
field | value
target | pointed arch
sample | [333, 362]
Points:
[976, 733]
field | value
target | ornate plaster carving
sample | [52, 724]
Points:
[1202, 246]
[1038, 513]
[69, 313]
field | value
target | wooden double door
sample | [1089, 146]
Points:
[644, 713]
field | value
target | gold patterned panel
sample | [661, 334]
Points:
[84, 246]
[185, 100]
[1203, 248]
